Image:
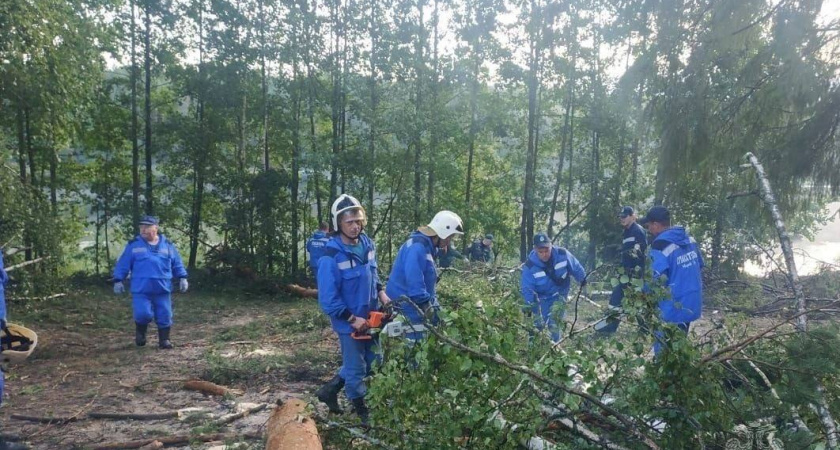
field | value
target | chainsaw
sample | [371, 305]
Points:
[375, 321]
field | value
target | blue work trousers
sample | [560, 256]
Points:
[157, 307]
[357, 358]
[545, 317]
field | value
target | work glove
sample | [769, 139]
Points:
[184, 285]
[119, 288]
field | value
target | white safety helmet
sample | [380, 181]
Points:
[18, 343]
[446, 223]
[344, 203]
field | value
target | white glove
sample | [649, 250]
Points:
[119, 288]
[184, 285]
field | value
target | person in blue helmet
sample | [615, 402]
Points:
[152, 261]
[315, 247]
[633, 248]
[676, 262]
[546, 279]
[414, 275]
[348, 290]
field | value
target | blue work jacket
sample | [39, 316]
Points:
[414, 275]
[676, 257]
[633, 247]
[315, 247]
[347, 283]
[152, 267]
[542, 280]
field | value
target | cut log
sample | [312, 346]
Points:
[291, 428]
[175, 440]
[302, 291]
[208, 388]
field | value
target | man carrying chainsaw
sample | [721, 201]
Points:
[348, 291]
[413, 274]
[546, 280]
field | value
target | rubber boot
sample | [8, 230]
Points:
[163, 338]
[140, 334]
[328, 394]
[361, 409]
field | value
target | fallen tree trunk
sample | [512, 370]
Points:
[291, 428]
[302, 291]
[175, 440]
[766, 192]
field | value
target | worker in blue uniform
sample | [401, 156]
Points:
[348, 290]
[633, 248]
[152, 261]
[414, 275]
[677, 264]
[546, 279]
[315, 247]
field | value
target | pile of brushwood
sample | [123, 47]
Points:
[485, 379]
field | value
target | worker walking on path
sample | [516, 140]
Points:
[546, 279]
[414, 275]
[633, 247]
[677, 263]
[348, 290]
[152, 261]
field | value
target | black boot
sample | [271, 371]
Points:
[140, 334]
[163, 338]
[361, 409]
[328, 394]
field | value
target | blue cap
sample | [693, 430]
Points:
[488, 236]
[149, 220]
[626, 211]
[541, 240]
[659, 214]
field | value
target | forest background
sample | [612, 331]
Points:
[237, 122]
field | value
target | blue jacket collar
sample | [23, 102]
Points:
[675, 234]
[338, 244]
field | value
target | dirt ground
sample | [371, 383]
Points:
[86, 361]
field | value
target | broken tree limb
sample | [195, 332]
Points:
[498, 359]
[355, 432]
[27, 263]
[532, 443]
[766, 192]
[578, 428]
[179, 439]
[47, 420]
[234, 417]
[291, 428]
[208, 388]
[132, 416]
